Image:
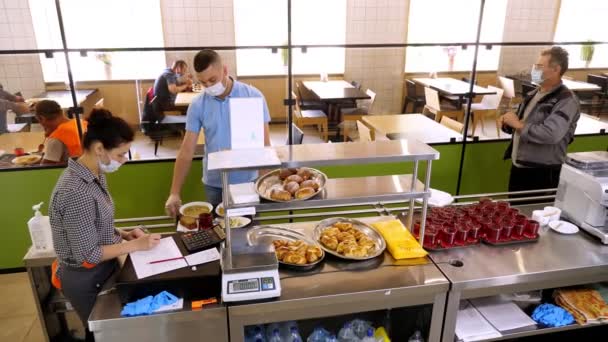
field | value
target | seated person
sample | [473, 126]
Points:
[172, 81]
[12, 102]
[63, 141]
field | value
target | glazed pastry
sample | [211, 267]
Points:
[315, 250]
[329, 241]
[294, 258]
[311, 256]
[284, 173]
[343, 225]
[304, 193]
[332, 231]
[305, 174]
[344, 236]
[292, 187]
[279, 243]
[310, 184]
[188, 222]
[281, 252]
[344, 246]
[280, 195]
[357, 252]
[293, 178]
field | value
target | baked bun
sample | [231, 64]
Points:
[305, 174]
[292, 187]
[284, 173]
[310, 184]
[294, 178]
[304, 193]
[280, 195]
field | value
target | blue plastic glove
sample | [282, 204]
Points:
[552, 316]
[148, 305]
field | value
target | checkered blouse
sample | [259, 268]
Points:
[82, 217]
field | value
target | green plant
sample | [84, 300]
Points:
[285, 55]
[587, 51]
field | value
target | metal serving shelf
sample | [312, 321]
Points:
[347, 191]
[542, 331]
[322, 155]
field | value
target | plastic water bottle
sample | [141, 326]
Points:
[294, 335]
[276, 336]
[258, 334]
[417, 337]
[286, 329]
[331, 338]
[270, 329]
[360, 327]
[319, 335]
[347, 334]
[369, 336]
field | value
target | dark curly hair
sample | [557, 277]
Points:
[108, 129]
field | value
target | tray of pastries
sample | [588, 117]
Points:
[349, 239]
[285, 185]
[293, 249]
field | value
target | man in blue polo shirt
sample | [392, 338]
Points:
[211, 112]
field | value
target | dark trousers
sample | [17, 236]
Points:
[81, 286]
[533, 178]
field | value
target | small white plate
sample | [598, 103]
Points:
[240, 222]
[563, 227]
[219, 210]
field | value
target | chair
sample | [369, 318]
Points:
[488, 106]
[452, 124]
[602, 95]
[311, 117]
[355, 84]
[508, 87]
[296, 134]
[412, 97]
[365, 134]
[307, 99]
[433, 106]
[526, 88]
[364, 107]
[99, 104]
[152, 125]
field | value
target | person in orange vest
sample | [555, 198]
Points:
[62, 140]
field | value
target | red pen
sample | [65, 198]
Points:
[159, 261]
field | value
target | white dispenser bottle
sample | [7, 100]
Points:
[40, 230]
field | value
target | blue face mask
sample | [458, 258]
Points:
[537, 75]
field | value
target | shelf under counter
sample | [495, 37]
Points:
[351, 191]
[540, 331]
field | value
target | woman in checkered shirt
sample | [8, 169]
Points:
[82, 215]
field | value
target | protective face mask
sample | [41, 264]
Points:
[537, 75]
[216, 89]
[109, 168]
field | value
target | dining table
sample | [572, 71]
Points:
[184, 99]
[410, 126]
[448, 86]
[574, 85]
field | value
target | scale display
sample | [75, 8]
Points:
[251, 285]
[245, 286]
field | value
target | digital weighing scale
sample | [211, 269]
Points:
[248, 272]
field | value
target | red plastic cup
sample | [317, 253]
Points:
[531, 230]
[507, 230]
[513, 212]
[474, 232]
[520, 218]
[417, 228]
[448, 237]
[19, 151]
[430, 238]
[518, 230]
[205, 221]
[493, 233]
[485, 223]
[502, 205]
[461, 236]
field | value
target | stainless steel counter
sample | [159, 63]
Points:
[340, 287]
[208, 324]
[556, 260]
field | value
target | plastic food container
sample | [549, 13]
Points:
[531, 230]
[448, 237]
[430, 238]
[518, 230]
[507, 229]
[493, 233]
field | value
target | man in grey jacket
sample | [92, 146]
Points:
[543, 127]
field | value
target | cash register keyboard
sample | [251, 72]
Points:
[203, 239]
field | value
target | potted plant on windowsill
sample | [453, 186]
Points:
[106, 59]
[587, 51]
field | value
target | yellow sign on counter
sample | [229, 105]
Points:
[399, 241]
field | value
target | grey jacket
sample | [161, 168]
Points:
[548, 130]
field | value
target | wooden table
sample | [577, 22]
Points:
[411, 126]
[335, 90]
[17, 127]
[452, 86]
[576, 86]
[29, 141]
[184, 99]
[64, 97]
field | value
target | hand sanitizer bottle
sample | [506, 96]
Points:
[40, 230]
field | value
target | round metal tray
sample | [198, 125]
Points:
[264, 184]
[266, 234]
[363, 227]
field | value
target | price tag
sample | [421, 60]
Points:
[240, 212]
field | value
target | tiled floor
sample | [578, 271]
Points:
[18, 321]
